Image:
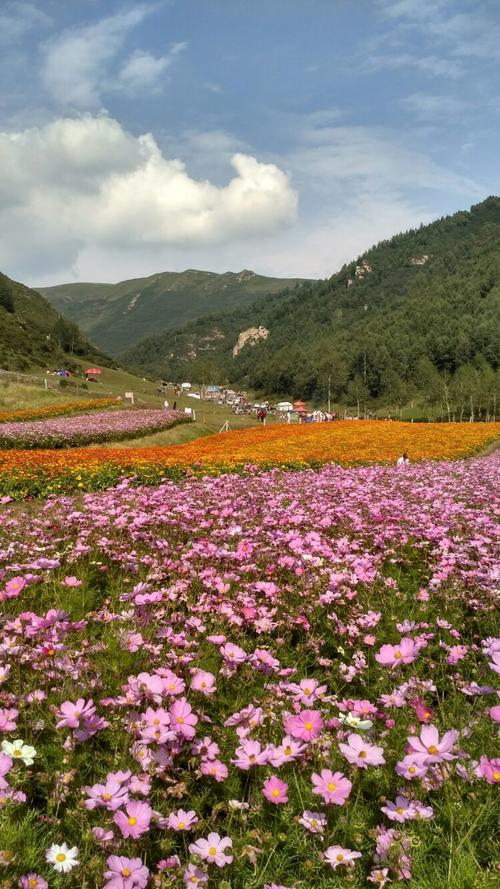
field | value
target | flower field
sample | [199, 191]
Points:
[349, 443]
[62, 409]
[68, 432]
[283, 679]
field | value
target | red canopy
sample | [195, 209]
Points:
[93, 371]
[299, 403]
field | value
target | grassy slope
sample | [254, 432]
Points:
[115, 316]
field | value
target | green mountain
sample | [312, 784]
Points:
[419, 312]
[33, 333]
[116, 316]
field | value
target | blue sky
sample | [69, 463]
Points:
[285, 136]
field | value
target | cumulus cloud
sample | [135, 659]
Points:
[76, 63]
[78, 182]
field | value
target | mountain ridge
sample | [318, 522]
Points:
[116, 316]
[409, 314]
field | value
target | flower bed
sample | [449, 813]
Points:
[60, 409]
[72, 431]
[278, 680]
[46, 472]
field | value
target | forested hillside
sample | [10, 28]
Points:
[417, 313]
[117, 316]
[33, 333]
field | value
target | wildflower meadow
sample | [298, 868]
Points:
[65, 432]
[277, 680]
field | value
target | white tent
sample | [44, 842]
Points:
[284, 406]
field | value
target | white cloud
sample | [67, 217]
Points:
[143, 70]
[425, 105]
[17, 18]
[73, 184]
[76, 64]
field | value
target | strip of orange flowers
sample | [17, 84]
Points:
[39, 473]
[60, 409]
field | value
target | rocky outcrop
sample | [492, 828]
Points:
[250, 336]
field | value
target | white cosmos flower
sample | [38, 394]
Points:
[62, 857]
[355, 722]
[19, 750]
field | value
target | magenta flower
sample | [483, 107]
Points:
[358, 752]
[13, 588]
[495, 713]
[334, 787]
[71, 715]
[32, 881]
[204, 682]
[183, 719]
[193, 876]
[214, 768]
[213, 849]
[306, 725]
[125, 873]
[135, 820]
[336, 856]
[249, 754]
[182, 820]
[111, 795]
[288, 751]
[275, 790]
[314, 822]
[490, 769]
[428, 748]
[395, 655]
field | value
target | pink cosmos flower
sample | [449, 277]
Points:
[314, 822]
[288, 751]
[410, 769]
[135, 820]
[193, 876]
[111, 795]
[172, 684]
[429, 748]
[213, 849]
[233, 654]
[32, 881]
[72, 581]
[125, 873]
[183, 719]
[13, 588]
[71, 715]
[336, 856]
[334, 787]
[490, 769]
[358, 752]
[275, 790]
[8, 719]
[401, 810]
[495, 661]
[249, 754]
[214, 768]
[182, 820]
[395, 655]
[307, 725]
[495, 713]
[204, 682]
[102, 836]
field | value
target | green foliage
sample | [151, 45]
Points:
[32, 333]
[424, 319]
